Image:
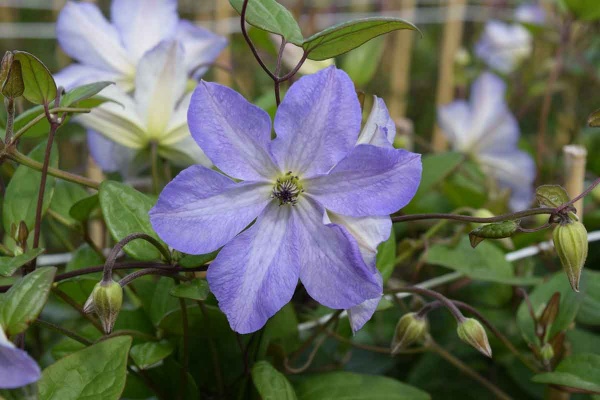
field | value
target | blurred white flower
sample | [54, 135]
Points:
[485, 129]
[133, 50]
[503, 46]
[530, 14]
[111, 51]
[156, 113]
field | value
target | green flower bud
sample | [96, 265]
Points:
[410, 329]
[547, 353]
[570, 241]
[106, 300]
[11, 79]
[498, 230]
[471, 332]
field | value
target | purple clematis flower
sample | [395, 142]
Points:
[486, 129]
[293, 188]
[17, 368]
[111, 51]
[530, 13]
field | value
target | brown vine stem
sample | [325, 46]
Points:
[54, 125]
[468, 218]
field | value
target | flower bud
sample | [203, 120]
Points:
[570, 241]
[498, 230]
[11, 79]
[471, 332]
[106, 300]
[547, 353]
[410, 329]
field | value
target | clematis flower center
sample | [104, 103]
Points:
[287, 189]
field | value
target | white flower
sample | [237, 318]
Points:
[485, 129]
[503, 46]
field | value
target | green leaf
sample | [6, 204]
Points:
[125, 212]
[270, 383]
[386, 257]
[20, 200]
[40, 87]
[155, 297]
[362, 63]
[96, 372]
[346, 36]
[84, 92]
[436, 168]
[147, 354]
[8, 265]
[551, 195]
[192, 261]
[84, 257]
[66, 194]
[83, 209]
[348, 385]
[579, 371]
[584, 9]
[196, 289]
[570, 302]
[594, 119]
[272, 17]
[24, 301]
[486, 262]
[589, 313]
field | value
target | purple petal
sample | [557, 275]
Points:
[142, 24]
[233, 133]
[109, 155]
[380, 128]
[77, 74]
[370, 181]
[86, 35]
[360, 314]
[159, 84]
[331, 266]
[201, 210]
[256, 273]
[317, 123]
[17, 368]
[369, 232]
[202, 47]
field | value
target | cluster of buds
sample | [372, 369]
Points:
[106, 300]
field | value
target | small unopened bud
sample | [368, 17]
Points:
[106, 300]
[498, 230]
[23, 232]
[547, 353]
[5, 64]
[570, 241]
[472, 332]
[410, 329]
[11, 78]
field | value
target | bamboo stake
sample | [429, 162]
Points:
[575, 158]
[223, 11]
[452, 38]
